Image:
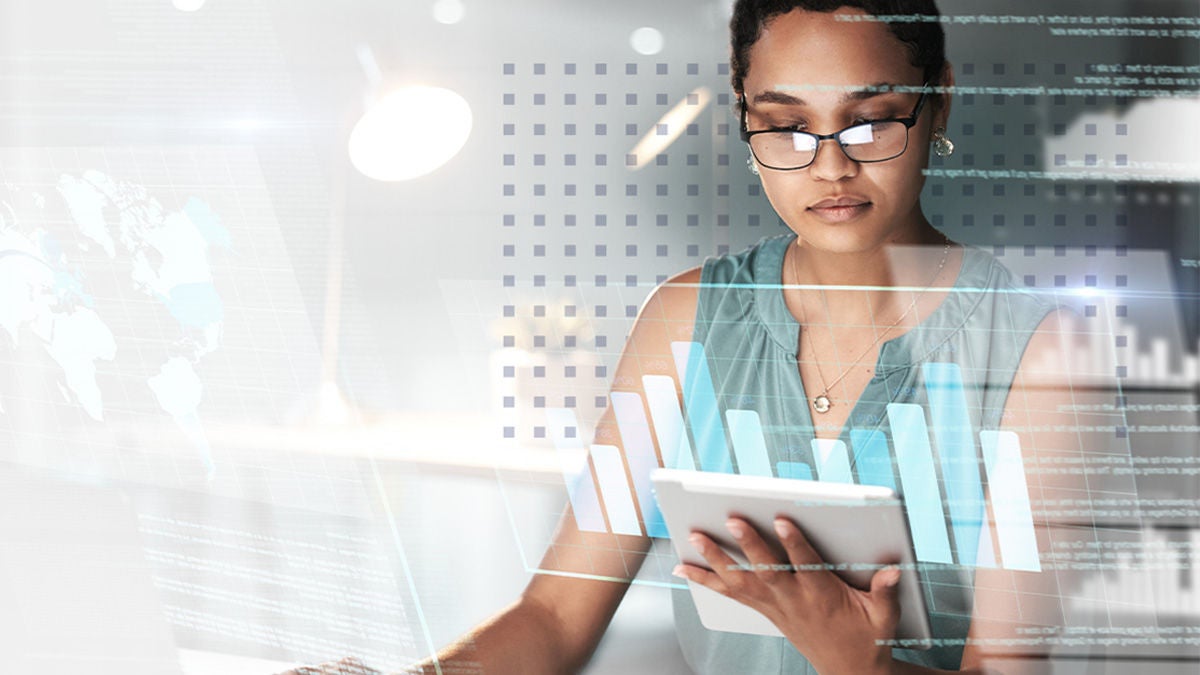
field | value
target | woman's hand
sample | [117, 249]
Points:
[840, 629]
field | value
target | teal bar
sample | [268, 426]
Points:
[614, 486]
[833, 464]
[918, 479]
[700, 402]
[577, 475]
[749, 444]
[668, 422]
[799, 470]
[639, 452]
[1010, 500]
[872, 460]
[960, 462]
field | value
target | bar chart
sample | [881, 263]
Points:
[940, 461]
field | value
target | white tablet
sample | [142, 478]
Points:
[855, 528]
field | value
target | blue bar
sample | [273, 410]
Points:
[668, 422]
[1010, 500]
[798, 470]
[639, 452]
[700, 402]
[872, 460]
[956, 449]
[833, 464]
[614, 486]
[922, 498]
[749, 444]
[577, 475]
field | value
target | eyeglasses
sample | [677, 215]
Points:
[871, 141]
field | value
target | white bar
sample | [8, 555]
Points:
[614, 488]
[672, 437]
[1144, 372]
[749, 444]
[1158, 354]
[577, 475]
[833, 463]
[1010, 500]
[639, 452]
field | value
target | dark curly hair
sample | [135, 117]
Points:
[923, 35]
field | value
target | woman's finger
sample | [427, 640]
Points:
[808, 563]
[883, 602]
[699, 575]
[717, 558]
[763, 561]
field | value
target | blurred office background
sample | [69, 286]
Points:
[288, 287]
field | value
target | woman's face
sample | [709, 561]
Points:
[804, 70]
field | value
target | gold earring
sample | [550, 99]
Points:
[942, 146]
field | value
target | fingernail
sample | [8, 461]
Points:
[679, 571]
[735, 528]
[696, 541]
[782, 529]
[893, 577]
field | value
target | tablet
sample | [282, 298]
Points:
[855, 528]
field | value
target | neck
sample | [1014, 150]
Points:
[906, 261]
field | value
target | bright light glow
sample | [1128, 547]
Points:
[1087, 292]
[188, 5]
[646, 40]
[662, 135]
[247, 124]
[410, 133]
[448, 11]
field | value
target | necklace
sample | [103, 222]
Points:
[821, 402]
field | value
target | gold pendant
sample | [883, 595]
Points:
[821, 403]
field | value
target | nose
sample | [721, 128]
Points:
[831, 162]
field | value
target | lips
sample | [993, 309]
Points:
[840, 209]
[834, 202]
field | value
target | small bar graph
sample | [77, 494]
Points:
[614, 486]
[1010, 500]
[918, 478]
[700, 402]
[871, 458]
[833, 464]
[668, 422]
[577, 475]
[960, 465]
[639, 452]
[1168, 587]
[749, 445]
[798, 470]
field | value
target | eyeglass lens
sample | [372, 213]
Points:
[873, 142]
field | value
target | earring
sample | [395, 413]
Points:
[942, 146]
[752, 165]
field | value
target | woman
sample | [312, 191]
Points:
[824, 354]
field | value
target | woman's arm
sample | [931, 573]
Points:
[559, 619]
[1048, 408]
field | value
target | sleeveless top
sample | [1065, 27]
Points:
[750, 340]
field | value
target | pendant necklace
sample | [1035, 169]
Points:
[821, 402]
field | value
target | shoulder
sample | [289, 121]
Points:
[751, 264]
[674, 299]
[1000, 296]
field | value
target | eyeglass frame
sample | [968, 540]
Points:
[908, 122]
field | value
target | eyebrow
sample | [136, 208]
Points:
[780, 95]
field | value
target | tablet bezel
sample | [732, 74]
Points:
[825, 512]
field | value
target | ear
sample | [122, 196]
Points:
[946, 84]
